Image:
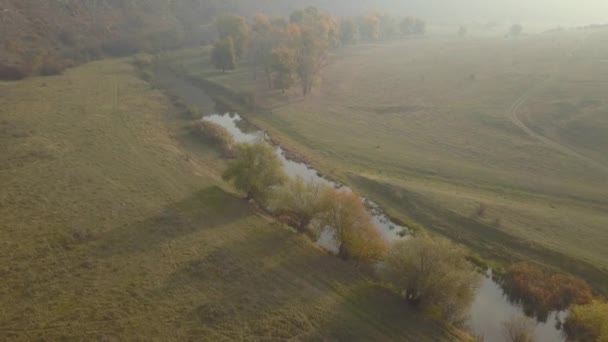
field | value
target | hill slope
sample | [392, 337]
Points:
[113, 229]
[427, 127]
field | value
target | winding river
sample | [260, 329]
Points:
[491, 306]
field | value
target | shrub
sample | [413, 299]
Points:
[433, 274]
[13, 72]
[300, 202]
[519, 329]
[52, 67]
[356, 235]
[588, 322]
[255, 170]
[143, 61]
[215, 134]
[545, 290]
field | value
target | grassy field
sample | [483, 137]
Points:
[116, 227]
[433, 128]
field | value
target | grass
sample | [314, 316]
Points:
[116, 226]
[438, 118]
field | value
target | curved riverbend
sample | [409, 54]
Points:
[491, 306]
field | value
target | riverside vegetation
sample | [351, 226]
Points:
[491, 215]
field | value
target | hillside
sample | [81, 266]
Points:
[115, 226]
[435, 129]
[47, 36]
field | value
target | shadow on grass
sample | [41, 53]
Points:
[207, 209]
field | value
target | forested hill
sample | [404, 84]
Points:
[44, 36]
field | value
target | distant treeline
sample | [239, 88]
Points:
[47, 36]
[296, 48]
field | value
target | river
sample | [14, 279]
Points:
[491, 306]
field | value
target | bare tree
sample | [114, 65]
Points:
[519, 329]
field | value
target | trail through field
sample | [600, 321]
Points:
[513, 112]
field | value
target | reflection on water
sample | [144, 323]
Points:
[491, 308]
[242, 132]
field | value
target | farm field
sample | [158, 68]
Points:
[497, 143]
[115, 225]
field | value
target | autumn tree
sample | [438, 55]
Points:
[349, 32]
[369, 27]
[545, 290]
[588, 322]
[223, 55]
[312, 34]
[266, 34]
[235, 27]
[346, 216]
[301, 201]
[284, 64]
[256, 170]
[433, 274]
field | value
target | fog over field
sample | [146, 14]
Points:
[545, 11]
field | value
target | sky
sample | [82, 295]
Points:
[547, 11]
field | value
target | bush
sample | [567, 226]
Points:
[519, 329]
[434, 275]
[215, 134]
[13, 72]
[52, 67]
[344, 213]
[588, 322]
[143, 61]
[545, 290]
[299, 202]
[256, 170]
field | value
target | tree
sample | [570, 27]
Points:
[347, 217]
[312, 34]
[388, 27]
[433, 274]
[519, 329]
[234, 26]
[284, 64]
[255, 170]
[266, 34]
[412, 25]
[301, 201]
[588, 322]
[349, 31]
[223, 55]
[369, 27]
[516, 30]
[419, 26]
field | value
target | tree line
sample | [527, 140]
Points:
[294, 50]
[429, 272]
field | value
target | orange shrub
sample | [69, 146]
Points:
[550, 291]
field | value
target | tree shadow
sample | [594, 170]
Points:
[207, 209]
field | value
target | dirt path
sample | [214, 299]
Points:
[513, 112]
